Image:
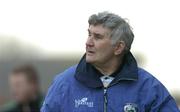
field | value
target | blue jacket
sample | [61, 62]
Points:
[79, 89]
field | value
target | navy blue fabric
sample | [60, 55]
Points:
[79, 89]
[128, 71]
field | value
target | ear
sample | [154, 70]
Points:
[119, 47]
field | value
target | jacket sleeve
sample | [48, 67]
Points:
[52, 100]
[162, 100]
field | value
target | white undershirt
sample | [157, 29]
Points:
[106, 80]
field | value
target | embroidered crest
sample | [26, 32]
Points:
[130, 107]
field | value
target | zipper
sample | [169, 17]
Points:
[105, 100]
[105, 92]
[105, 95]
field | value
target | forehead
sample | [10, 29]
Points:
[17, 77]
[99, 29]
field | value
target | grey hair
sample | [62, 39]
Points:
[120, 29]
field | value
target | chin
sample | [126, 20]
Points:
[89, 59]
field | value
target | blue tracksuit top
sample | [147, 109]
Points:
[79, 89]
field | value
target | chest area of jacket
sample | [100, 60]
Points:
[118, 99]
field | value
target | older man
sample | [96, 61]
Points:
[107, 79]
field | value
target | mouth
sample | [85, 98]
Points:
[88, 52]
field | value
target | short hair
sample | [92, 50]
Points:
[120, 29]
[28, 71]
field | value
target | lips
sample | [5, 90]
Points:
[89, 52]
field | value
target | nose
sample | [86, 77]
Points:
[89, 42]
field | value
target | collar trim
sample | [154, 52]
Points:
[89, 76]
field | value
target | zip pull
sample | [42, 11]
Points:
[106, 80]
[105, 100]
[105, 95]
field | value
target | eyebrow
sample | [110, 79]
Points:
[96, 34]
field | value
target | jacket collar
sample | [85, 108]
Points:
[90, 77]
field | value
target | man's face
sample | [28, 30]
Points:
[99, 49]
[21, 88]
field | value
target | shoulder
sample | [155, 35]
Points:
[155, 93]
[151, 85]
[9, 107]
[61, 81]
[56, 91]
[145, 76]
[68, 74]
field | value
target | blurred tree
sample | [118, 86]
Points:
[12, 48]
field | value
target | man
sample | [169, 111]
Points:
[24, 84]
[107, 78]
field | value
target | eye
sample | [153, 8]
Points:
[98, 37]
[89, 34]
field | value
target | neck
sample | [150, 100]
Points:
[31, 97]
[110, 67]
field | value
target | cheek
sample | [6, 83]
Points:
[105, 48]
[101, 46]
[15, 87]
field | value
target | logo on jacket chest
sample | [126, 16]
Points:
[130, 107]
[83, 102]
